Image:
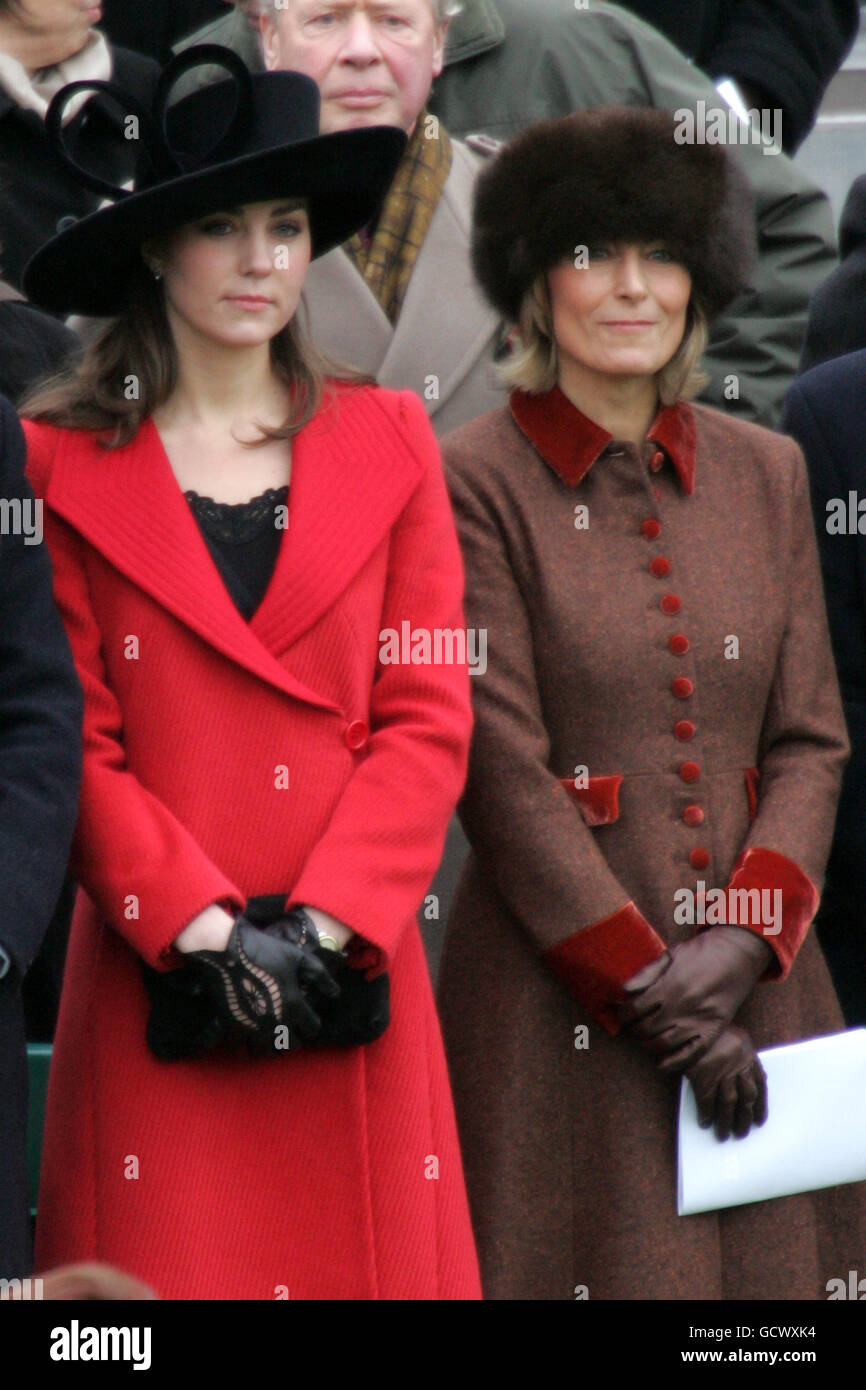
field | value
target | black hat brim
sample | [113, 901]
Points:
[87, 269]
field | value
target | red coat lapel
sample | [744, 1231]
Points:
[348, 486]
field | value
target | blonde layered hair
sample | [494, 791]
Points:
[534, 367]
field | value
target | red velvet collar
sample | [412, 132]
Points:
[570, 442]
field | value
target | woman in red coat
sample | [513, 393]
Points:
[265, 796]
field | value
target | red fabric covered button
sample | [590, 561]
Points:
[693, 815]
[656, 492]
[651, 528]
[690, 772]
[660, 566]
[684, 729]
[682, 687]
[699, 858]
[678, 644]
[356, 734]
[670, 604]
[657, 460]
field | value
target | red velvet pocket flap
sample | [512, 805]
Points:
[598, 801]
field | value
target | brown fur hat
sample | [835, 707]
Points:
[611, 174]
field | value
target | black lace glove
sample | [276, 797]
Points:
[360, 1011]
[260, 984]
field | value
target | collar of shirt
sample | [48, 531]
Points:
[570, 442]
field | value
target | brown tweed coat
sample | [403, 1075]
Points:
[703, 535]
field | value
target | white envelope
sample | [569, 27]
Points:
[814, 1136]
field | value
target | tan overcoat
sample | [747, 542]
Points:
[585, 559]
[445, 339]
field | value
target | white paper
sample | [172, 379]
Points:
[814, 1136]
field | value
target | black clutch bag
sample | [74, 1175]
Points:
[360, 1014]
[182, 1022]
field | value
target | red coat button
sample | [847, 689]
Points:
[670, 604]
[651, 528]
[693, 815]
[682, 687]
[356, 734]
[657, 460]
[684, 729]
[656, 492]
[678, 644]
[690, 772]
[699, 858]
[660, 566]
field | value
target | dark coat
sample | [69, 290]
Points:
[826, 414]
[837, 314]
[36, 191]
[693, 759]
[32, 345]
[154, 27]
[40, 769]
[790, 51]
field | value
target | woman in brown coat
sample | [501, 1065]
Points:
[658, 717]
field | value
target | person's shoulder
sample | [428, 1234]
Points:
[44, 440]
[836, 385]
[377, 414]
[484, 448]
[13, 453]
[722, 426]
[41, 441]
[544, 17]
[759, 453]
[32, 343]
[138, 73]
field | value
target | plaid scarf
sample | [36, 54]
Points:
[387, 257]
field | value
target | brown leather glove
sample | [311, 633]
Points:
[730, 1085]
[676, 1011]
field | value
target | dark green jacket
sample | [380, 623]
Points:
[509, 63]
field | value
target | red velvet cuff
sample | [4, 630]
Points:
[598, 801]
[767, 871]
[595, 962]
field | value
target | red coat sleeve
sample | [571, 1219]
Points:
[375, 861]
[144, 871]
[519, 818]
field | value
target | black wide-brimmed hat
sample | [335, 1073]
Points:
[611, 174]
[249, 139]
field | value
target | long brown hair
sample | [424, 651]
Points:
[129, 368]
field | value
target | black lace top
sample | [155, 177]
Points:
[244, 541]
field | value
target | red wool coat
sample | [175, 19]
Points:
[329, 1174]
